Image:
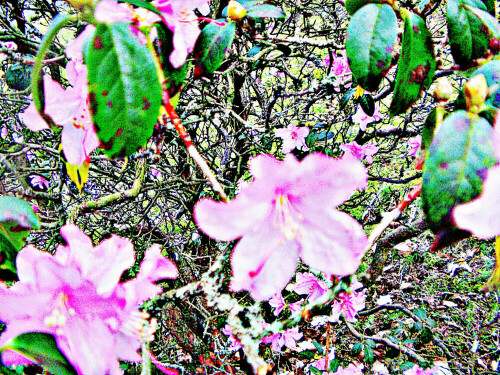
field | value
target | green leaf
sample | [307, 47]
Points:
[315, 371]
[372, 344]
[17, 218]
[416, 66]
[429, 128]
[490, 71]
[426, 335]
[345, 99]
[455, 167]
[356, 349]
[470, 29]
[367, 104]
[319, 348]
[352, 6]
[42, 349]
[211, 47]
[406, 366]
[371, 37]
[369, 355]
[334, 365]
[264, 11]
[490, 7]
[124, 91]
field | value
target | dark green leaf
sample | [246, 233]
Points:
[416, 65]
[426, 335]
[354, 5]
[124, 91]
[175, 77]
[264, 11]
[143, 4]
[211, 47]
[345, 99]
[319, 348]
[490, 7]
[455, 167]
[370, 42]
[367, 104]
[470, 29]
[356, 349]
[315, 371]
[18, 76]
[430, 127]
[42, 349]
[372, 344]
[17, 218]
[334, 365]
[420, 313]
[369, 354]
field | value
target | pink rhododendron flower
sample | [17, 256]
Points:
[288, 211]
[287, 338]
[235, 344]
[340, 67]
[414, 144]
[362, 119]
[365, 151]
[293, 137]
[482, 215]
[68, 108]
[416, 370]
[76, 296]
[308, 283]
[279, 304]
[39, 181]
[348, 305]
[182, 21]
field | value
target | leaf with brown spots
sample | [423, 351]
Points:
[416, 66]
[17, 218]
[454, 171]
[124, 91]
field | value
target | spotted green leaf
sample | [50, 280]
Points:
[454, 170]
[416, 66]
[470, 29]
[124, 91]
[370, 41]
[17, 218]
[41, 348]
[211, 47]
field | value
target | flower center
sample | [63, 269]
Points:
[59, 314]
[286, 218]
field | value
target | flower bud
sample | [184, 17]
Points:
[476, 91]
[235, 11]
[444, 90]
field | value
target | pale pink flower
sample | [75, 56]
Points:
[340, 67]
[183, 23]
[68, 108]
[4, 132]
[288, 211]
[308, 283]
[482, 215]
[76, 296]
[279, 304]
[293, 137]
[416, 370]
[235, 344]
[362, 119]
[365, 151]
[414, 144]
[39, 181]
[348, 305]
[288, 339]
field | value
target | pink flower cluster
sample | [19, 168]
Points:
[76, 296]
[289, 211]
[482, 216]
[340, 67]
[365, 151]
[279, 304]
[308, 283]
[348, 304]
[293, 137]
[234, 343]
[288, 338]
[416, 370]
